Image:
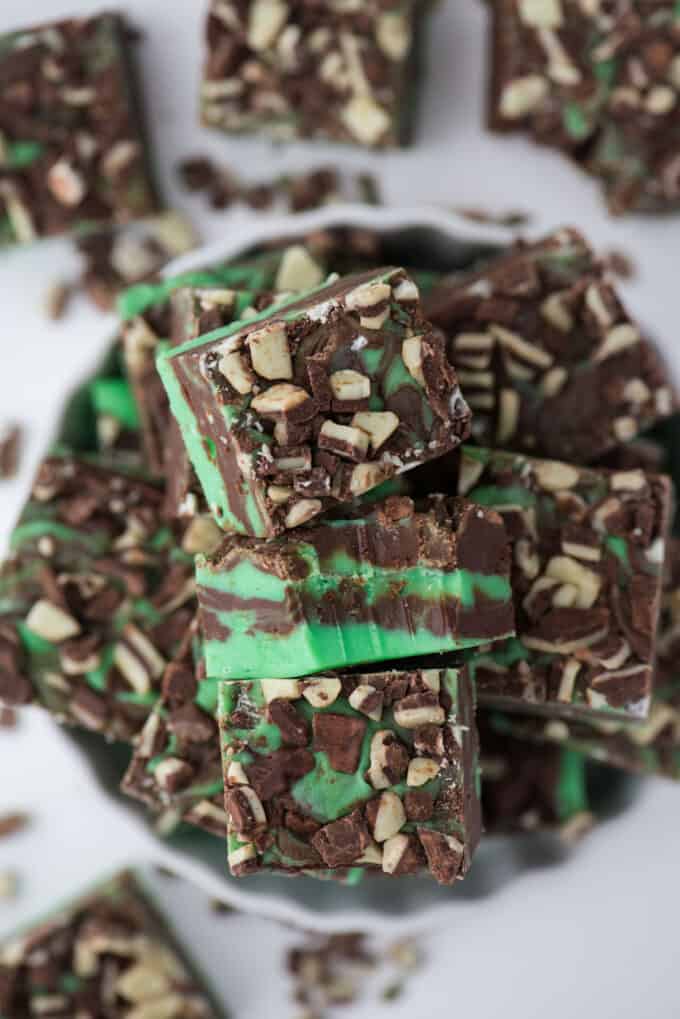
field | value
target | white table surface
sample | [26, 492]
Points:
[596, 936]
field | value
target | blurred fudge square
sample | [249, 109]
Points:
[73, 150]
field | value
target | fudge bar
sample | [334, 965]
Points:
[600, 82]
[649, 747]
[339, 72]
[393, 583]
[108, 953]
[73, 151]
[314, 402]
[96, 597]
[528, 787]
[548, 358]
[372, 770]
[176, 768]
[587, 572]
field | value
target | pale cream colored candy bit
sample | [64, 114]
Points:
[51, 622]
[302, 511]
[166, 770]
[482, 379]
[139, 341]
[242, 855]
[628, 481]
[521, 348]
[405, 291]
[393, 852]
[469, 472]
[378, 759]
[279, 399]
[660, 100]
[625, 428]
[570, 671]
[232, 365]
[236, 774]
[281, 689]
[170, 1006]
[365, 120]
[66, 183]
[674, 72]
[390, 817]
[366, 476]
[421, 770]
[522, 96]
[508, 414]
[371, 856]
[431, 678]
[618, 338]
[119, 157]
[644, 733]
[344, 434]
[527, 558]
[393, 34]
[142, 982]
[204, 810]
[379, 425]
[565, 596]
[202, 535]
[570, 571]
[413, 718]
[298, 270]
[561, 67]
[541, 13]
[663, 400]
[368, 295]
[267, 18]
[552, 475]
[254, 805]
[280, 494]
[596, 304]
[348, 384]
[174, 232]
[554, 310]
[412, 356]
[636, 392]
[362, 695]
[553, 381]
[269, 352]
[322, 692]
[556, 731]
[591, 553]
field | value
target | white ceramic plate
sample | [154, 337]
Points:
[422, 237]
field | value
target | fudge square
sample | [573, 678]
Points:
[314, 402]
[95, 598]
[73, 148]
[588, 551]
[549, 360]
[396, 582]
[109, 953]
[372, 770]
[330, 70]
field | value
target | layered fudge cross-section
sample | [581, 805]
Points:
[73, 153]
[335, 71]
[96, 596]
[394, 583]
[109, 953]
[548, 358]
[370, 770]
[314, 402]
[600, 82]
[588, 550]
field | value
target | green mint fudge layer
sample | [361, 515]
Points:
[109, 953]
[314, 402]
[651, 747]
[588, 551]
[96, 596]
[391, 584]
[375, 771]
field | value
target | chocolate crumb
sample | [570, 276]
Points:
[512, 219]
[621, 264]
[11, 823]
[10, 439]
[8, 718]
[57, 300]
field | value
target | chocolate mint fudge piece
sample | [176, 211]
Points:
[393, 583]
[599, 81]
[652, 746]
[374, 770]
[325, 70]
[636, 152]
[109, 954]
[96, 597]
[314, 402]
[73, 152]
[176, 768]
[528, 787]
[588, 554]
[549, 359]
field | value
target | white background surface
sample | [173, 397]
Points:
[597, 936]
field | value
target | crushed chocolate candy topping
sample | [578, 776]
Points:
[10, 441]
[548, 358]
[331, 70]
[108, 953]
[649, 747]
[99, 596]
[599, 81]
[73, 149]
[349, 375]
[365, 797]
[588, 550]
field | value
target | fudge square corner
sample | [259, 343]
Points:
[376, 771]
[314, 402]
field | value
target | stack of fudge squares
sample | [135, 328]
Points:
[314, 526]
